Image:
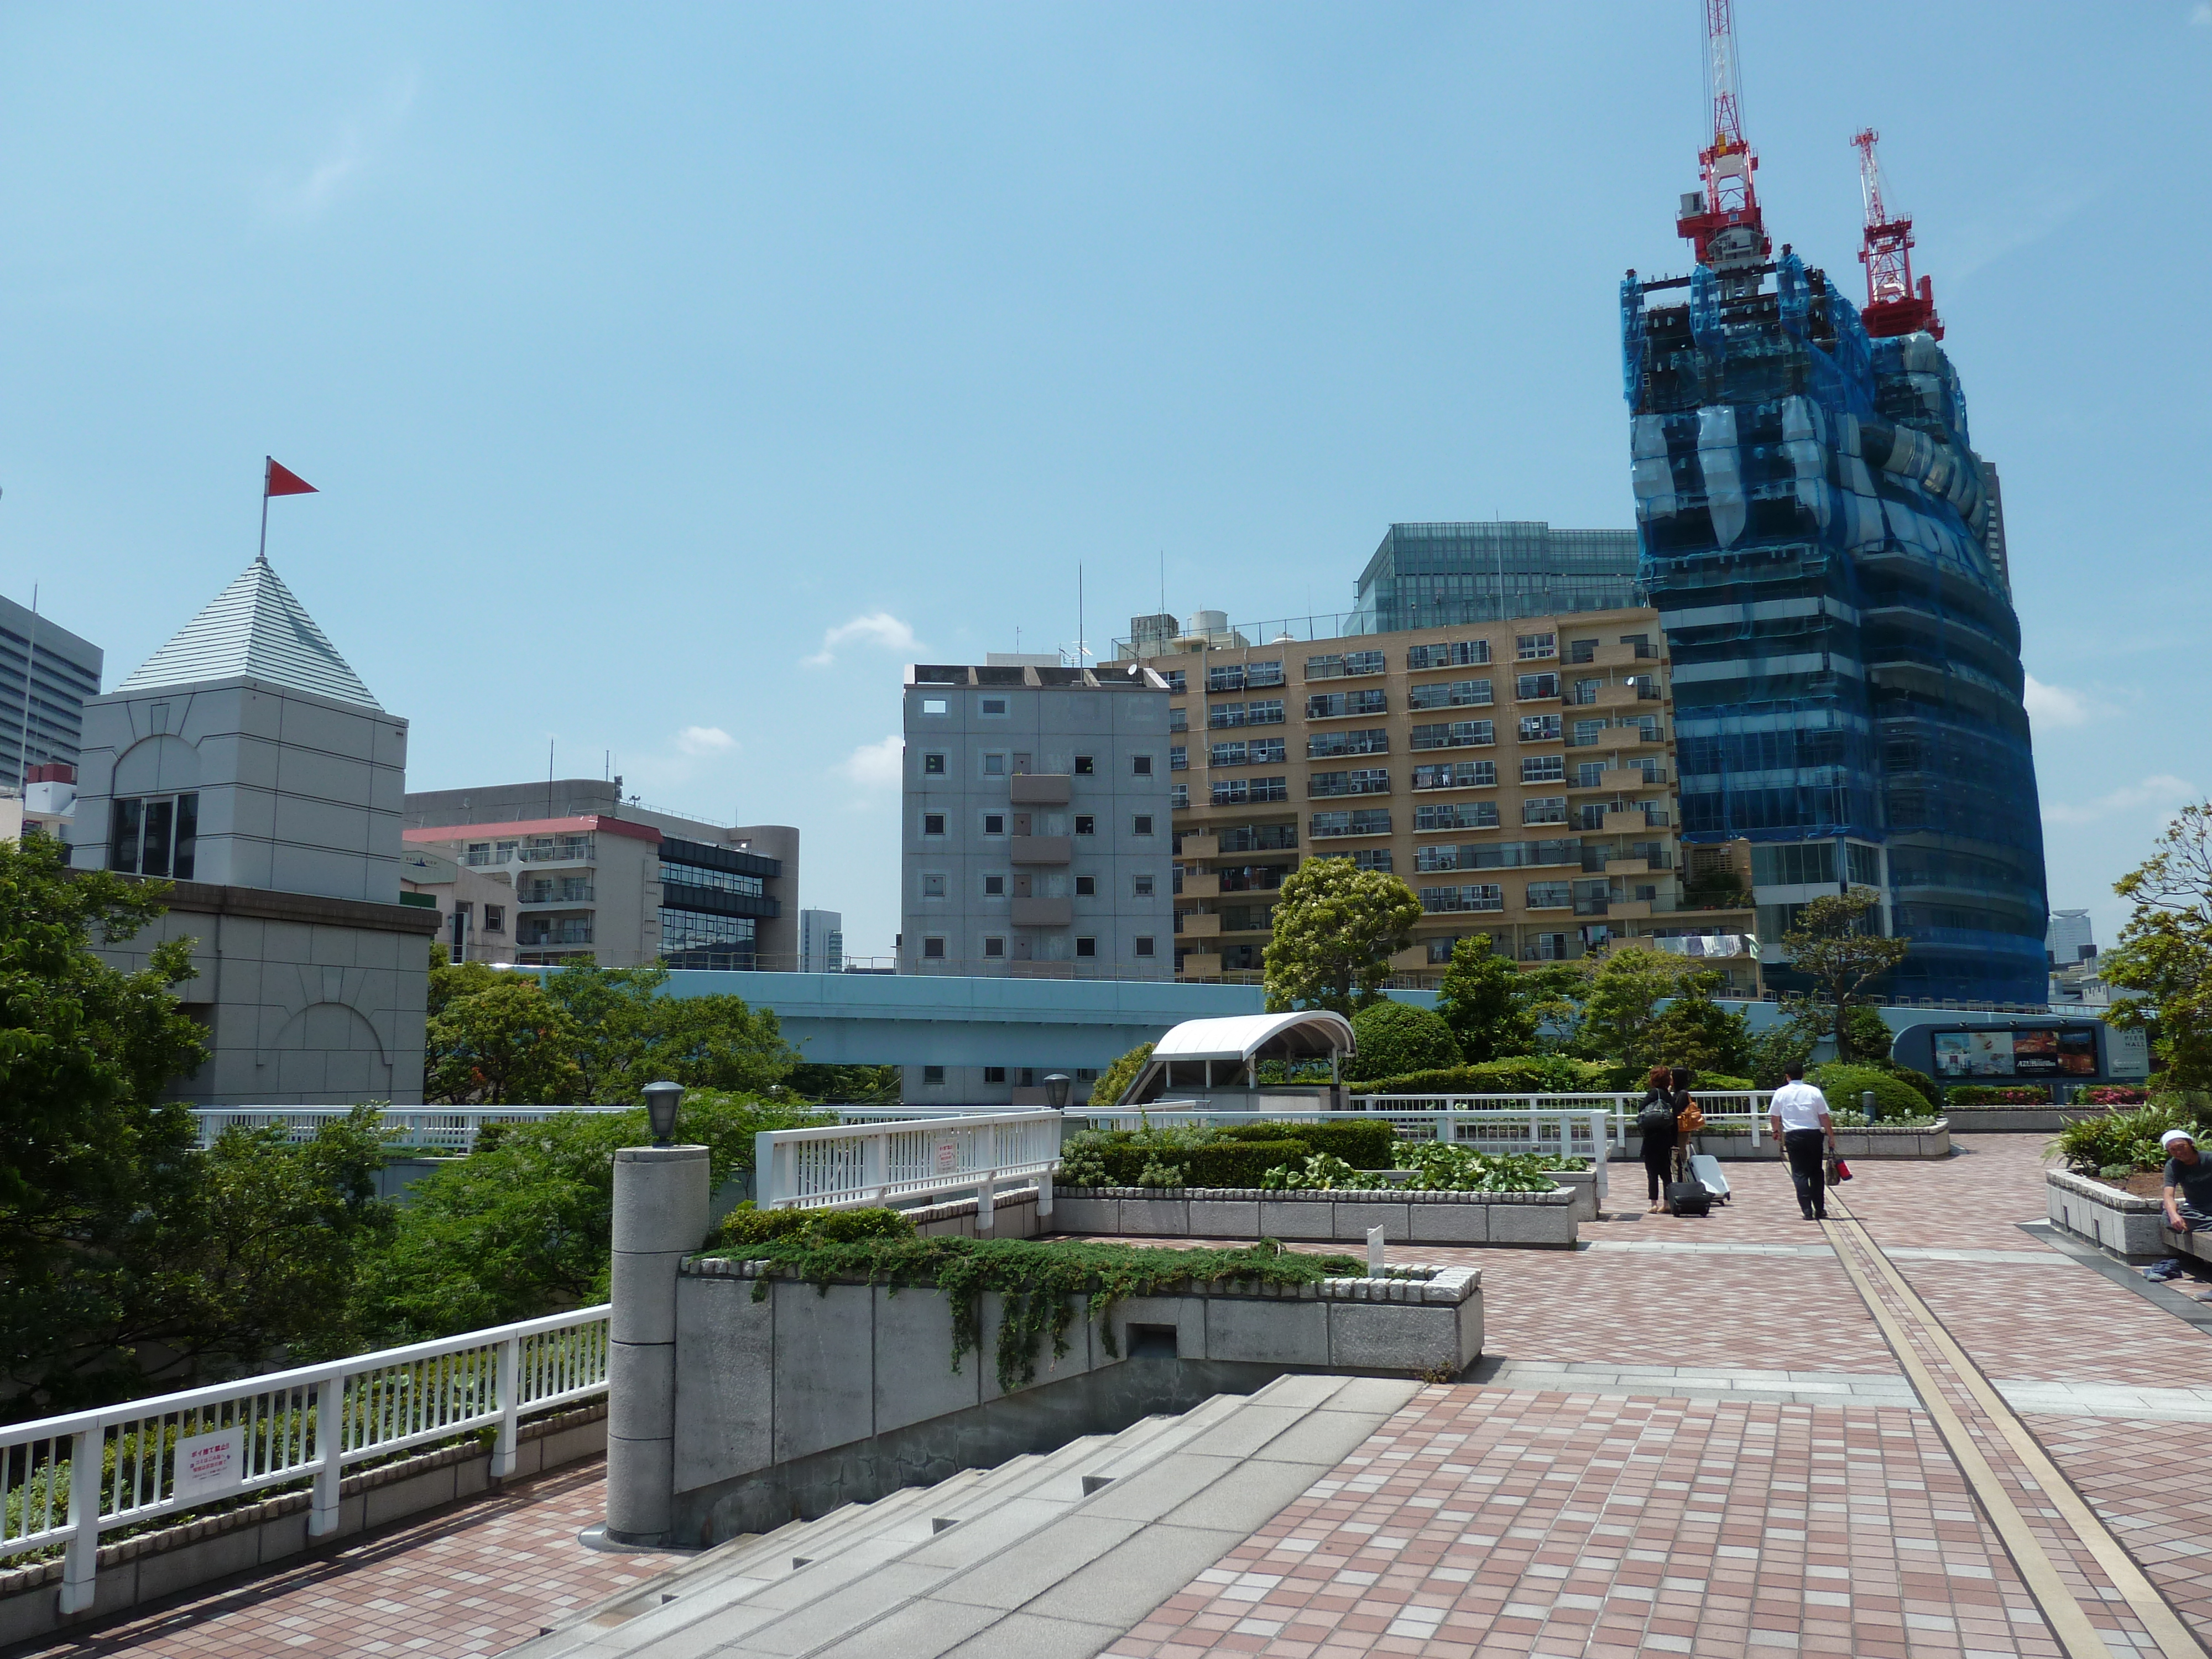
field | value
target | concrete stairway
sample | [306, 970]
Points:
[1052, 1555]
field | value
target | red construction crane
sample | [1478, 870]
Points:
[1723, 221]
[1893, 307]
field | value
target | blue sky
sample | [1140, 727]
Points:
[673, 375]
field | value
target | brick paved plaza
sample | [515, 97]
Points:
[1694, 1436]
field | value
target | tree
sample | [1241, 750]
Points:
[848, 1085]
[1114, 1082]
[2165, 950]
[1694, 1031]
[1487, 1002]
[496, 1039]
[1393, 1039]
[1336, 928]
[629, 1032]
[86, 1051]
[1623, 991]
[1832, 946]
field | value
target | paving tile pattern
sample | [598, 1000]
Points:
[2143, 1486]
[1494, 1522]
[2031, 1323]
[473, 1580]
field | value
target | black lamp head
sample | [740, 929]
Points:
[661, 1100]
[1055, 1091]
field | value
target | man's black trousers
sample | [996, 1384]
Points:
[1803, 1148]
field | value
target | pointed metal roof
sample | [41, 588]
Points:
[255, 628]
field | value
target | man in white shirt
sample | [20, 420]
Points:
[1799, 1114]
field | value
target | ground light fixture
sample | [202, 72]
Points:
[1056, 1091]
[661, 1100]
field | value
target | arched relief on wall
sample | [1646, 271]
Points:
[160, 765]
[329, 1028]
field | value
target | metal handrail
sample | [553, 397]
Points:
[441, 1128]
[845, 1165]
[125, 1464]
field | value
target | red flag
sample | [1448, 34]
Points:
[281, 480]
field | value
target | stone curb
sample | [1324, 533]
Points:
[1556, 1195]
[1447, 1286]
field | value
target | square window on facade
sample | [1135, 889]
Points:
[934, 1075]
[994, 766]
[994, 705]
[994, 823]
[994, 887]
[932, 950]
[1141, 765]
[994, 1075]
[933, 766]
[1140, 886]
[994, 946]
[933, 823]
[1142, 945]
[933, 887]
[1086, 887]
[1086, 947]
[494, 918]
[1141, 825]
[1085, 824]
[1084, 766]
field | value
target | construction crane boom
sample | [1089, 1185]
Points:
[1721, 221]
[1893, 305]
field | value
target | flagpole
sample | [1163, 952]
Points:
[262, 557]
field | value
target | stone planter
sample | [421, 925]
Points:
[2119, 1221]
[1925, 1140]
[803, 1400]
[1543, 1219]
[2021, 1119]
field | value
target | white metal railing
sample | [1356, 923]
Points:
[1724, 1109]
[64, 1480]
[437, 1129]
[849, 1165]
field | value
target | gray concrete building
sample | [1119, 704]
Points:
[1036, 830]
[821, 942]
[46, 673]
[248, 764]
[570, 870]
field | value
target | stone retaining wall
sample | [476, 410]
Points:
[2119, 1221]
[1927, 1140]
[1546, 1219]
[810, 1397]
[2021, 1119]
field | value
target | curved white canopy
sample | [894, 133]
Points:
[1316, 1032]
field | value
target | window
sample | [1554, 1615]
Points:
[1543, 768]
[1532, 688]
[494, 918]
[1085, 945]
[683, 875]
[1450, 694]
[933, 823]
[934, 1075]
[1540, 728]
[1586, 692]
[1228, 678]
[933, 766]
[1179, 796]
[1589, 774]
[932, 950]
[1260, 674]
[1457, 774]
[1549, 895]
[1086, 887]
[993, 945]
[1581, 650]
[994, 823]
[933, 887]
[1085, 824]
[994, 1073]
[1530, 647]
[994, 705]
[1084, 766]
[1178, 679]
[1178, 718]
[1476, 895]
[1331, 705]
[1457, 815]
[1142, 945]
[994, 887]
[693, 938]
[1141, 825]
[1140, 886]
[1140, 766]
[1179, 758]
[1454, 734]
[1544, 808]
[994, 766]
[1375, 859]
[1235, 792]
[157, 835]
[1792, 865]
[933, 705]
[1319, 744]
[1863, 863]
[1459, 654]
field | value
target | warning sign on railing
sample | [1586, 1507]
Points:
[947, 1156]
[209, 1464]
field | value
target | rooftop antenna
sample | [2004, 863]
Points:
[1892, 307]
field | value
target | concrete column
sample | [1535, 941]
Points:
[660, 1216]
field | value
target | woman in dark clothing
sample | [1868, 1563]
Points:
[1687, 1118]
[1655, 1122]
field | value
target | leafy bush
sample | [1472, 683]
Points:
[1520, 1075]
[1322, 1174]
[746, 1225]
[1984, 1094]
[1395, 1037]
[1230, 1155]
[1441, 1166]
[1898, 1101]
[2125, 1140]
[1919, 1082]
[1718, 1082]
[2113, 1095]
[1114, 1082]
[1365, 1143]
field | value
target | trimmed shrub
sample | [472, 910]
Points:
[1521, 1074]
[1985, 1094]
[1396, 1037]
[1844, 1085]
[2113, 1095]
[1919, 1082]
[746, 1225]
[1364, 1145]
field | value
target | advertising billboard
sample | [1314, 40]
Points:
[2061, 1053]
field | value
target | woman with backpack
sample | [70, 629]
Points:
[1654, 1124]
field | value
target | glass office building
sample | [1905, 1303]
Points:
[1433, 575]
[1820, 539]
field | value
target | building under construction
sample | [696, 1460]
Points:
[1826, 556]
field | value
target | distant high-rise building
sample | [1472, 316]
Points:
[821, 942]
[49, 672]
[2070, 939]
[1441, 576]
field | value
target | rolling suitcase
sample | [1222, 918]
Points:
[1706, 1169]
[1689, 1197]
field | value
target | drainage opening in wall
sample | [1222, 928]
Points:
[1152, 1341]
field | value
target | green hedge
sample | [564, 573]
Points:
[1230, 1155]
[1984, 1094]
[746, 1225]
[1393, 1038]
[1519, 1074]
[1843, 1084]
[1363, 1145]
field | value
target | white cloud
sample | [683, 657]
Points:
[876, 765]
[703, 740]
[2203, 15]
[304, 194]
[878, 628]
[2054, 705]
[2161, 789]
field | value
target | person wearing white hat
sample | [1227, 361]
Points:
[2188, 1182]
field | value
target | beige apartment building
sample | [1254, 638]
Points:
[1518, 776]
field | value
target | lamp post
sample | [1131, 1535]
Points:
[661, 1100]
[1055, 1091]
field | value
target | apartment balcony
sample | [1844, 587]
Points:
[569, 932]
[1201, 844]
[1039, 788]
[1612, 656]
[1197, 924]
[1612, 781]
[1623, 695]
[1202, 965]
[1039, 850]
[1628, 821]
[1044, 913]
[1200, 883]
[529, 897]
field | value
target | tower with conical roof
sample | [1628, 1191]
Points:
[245, 761]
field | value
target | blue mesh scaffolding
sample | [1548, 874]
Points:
[1813, 529]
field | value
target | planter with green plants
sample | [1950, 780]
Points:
[2108, 1189]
